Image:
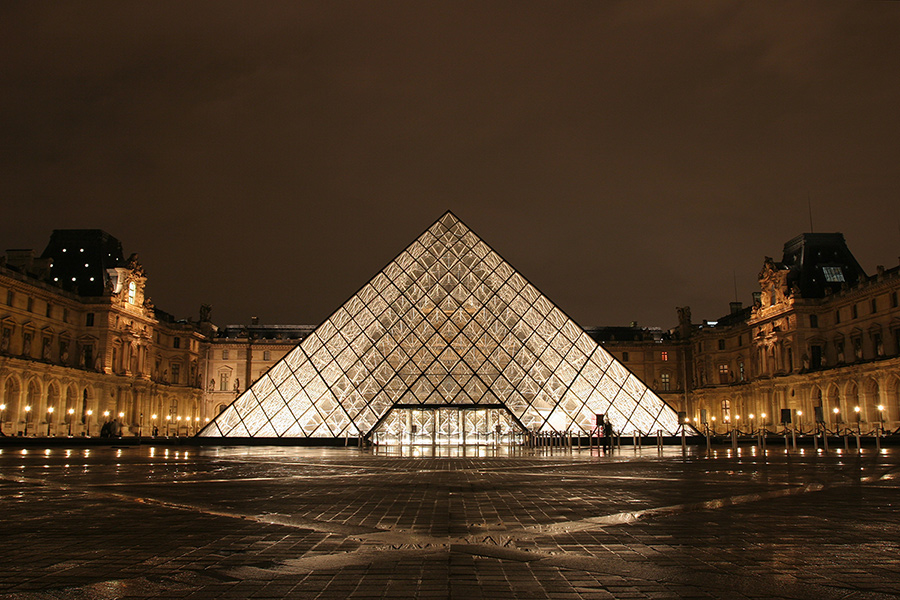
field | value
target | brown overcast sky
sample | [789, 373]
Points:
[627, 157]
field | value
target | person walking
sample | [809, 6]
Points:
[607, 435]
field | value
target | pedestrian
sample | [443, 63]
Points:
[607, 435]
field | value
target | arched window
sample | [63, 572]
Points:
[132, 290]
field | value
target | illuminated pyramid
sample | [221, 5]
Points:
[447, 325]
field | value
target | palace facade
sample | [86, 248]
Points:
[79, 335]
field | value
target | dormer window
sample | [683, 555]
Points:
[132, 290]
[833, 274]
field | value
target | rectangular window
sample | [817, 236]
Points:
[813, 321]
[833, 274]
[854, 312]
[741, 371]
[837, 316]
[664, 377]
[857, 348]
[874, 305]
[893, 299]
[267, 355]
[30, 304]
[815, 360]
[224, 354]
[223, 381]
[176, 342]
[89, 320]
[723, 373]
[721, 344]
[10, 297]
[65, 315]
[624, 357]
[176, 373]
[49, 311]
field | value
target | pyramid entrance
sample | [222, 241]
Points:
[467, 425]
[448, 340]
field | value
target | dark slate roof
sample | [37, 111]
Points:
[80, 258]
[820, 262]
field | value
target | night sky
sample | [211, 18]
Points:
[626, 157]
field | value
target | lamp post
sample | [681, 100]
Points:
[168, 420]
[836, 412]
[27, 410]
[196, 424]
[713, 419]
[752, 431]
[856, 409]
[71, 412]
[800, 421]
[153, 420]
[49, 419]
[178, 426]
[90, 412]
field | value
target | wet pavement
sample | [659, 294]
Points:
[280, 522]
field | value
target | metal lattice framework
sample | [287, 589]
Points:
[447, 323]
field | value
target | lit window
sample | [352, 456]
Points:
[224, 354]
[132, 290]
[723, 373]
[665, 378]
[664, 356]
[833, 274]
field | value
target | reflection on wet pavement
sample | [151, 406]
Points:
[275, 522]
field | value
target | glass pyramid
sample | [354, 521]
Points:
[448, 324]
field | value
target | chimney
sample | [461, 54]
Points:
[20, 259]
[735, 307]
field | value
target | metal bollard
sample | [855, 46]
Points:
[659, 440]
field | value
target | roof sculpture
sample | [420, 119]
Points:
[447, 323]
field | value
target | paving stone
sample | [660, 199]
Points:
[144, 522]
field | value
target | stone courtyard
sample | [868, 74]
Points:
[156, 521]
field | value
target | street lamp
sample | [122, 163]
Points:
[27, 410]
[153, 419]
[49, 419]
[836, 412]
[881, 415]
[800, 421]
[196, 424]
[178, 426]
[71, 412]
[857, 411]
[89, 413]
[168, 420]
